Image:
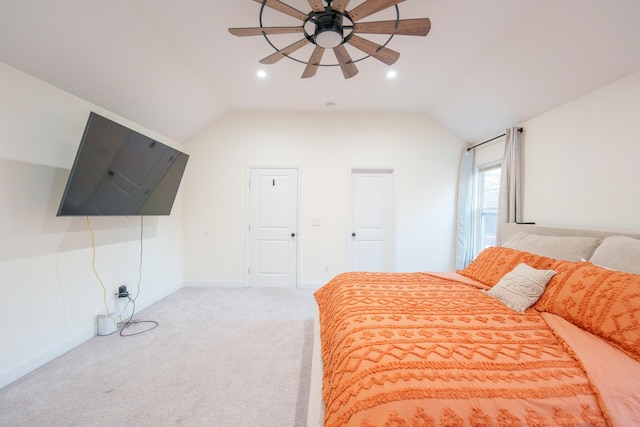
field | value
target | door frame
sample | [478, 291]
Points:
[247, 240]
[390, 170]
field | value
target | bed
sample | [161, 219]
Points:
[541, 331]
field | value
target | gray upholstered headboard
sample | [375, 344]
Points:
[510, 229]
[613, 249]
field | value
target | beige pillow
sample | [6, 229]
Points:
[618, 253]
[565, 248]
[522, 287]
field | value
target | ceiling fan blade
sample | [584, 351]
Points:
[258, 31]
[339, 5]
[312, 66]
[381, 53]
[316, 5]
[370, 7]
[403, 27]
[349, 69]
[273, 58]
[284, 8]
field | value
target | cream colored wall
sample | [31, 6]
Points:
[50, 295]
[582, 160]
[581, 169]
[323, 146]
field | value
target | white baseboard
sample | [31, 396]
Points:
[32, 363]
[148, 301]
[237, 284]
[241, 284]
[213, 284]
[311, 285]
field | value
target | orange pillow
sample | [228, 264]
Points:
[602, 301]
[496, 261]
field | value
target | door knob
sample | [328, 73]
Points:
[353, 234]
[293, 234]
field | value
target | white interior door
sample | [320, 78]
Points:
[272, 228]
[371, 239]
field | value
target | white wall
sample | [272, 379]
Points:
[582, 161]
[581, 169]
[50, 295]
[324, 146]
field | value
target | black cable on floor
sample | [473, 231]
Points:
[131, 321]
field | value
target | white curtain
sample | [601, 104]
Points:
[510, 201]
[464, 246]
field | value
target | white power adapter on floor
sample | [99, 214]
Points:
[106, 324]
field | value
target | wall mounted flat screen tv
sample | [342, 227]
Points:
[120, 172]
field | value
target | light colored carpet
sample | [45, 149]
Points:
[220, 357]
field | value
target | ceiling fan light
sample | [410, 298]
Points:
[328, 39]
[329, 31]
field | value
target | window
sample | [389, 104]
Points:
[487, 211]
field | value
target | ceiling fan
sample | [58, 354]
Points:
[329, 25]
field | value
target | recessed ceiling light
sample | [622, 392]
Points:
[261, 74]
[391, 74]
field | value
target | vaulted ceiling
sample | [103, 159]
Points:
[173, 67]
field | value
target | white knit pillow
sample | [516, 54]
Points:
[521, 288]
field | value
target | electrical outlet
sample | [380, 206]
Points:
[122, 292]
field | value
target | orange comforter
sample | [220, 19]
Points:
[416, 349]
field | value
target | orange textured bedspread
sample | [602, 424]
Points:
[413, 349]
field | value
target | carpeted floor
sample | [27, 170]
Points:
[220, 357]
